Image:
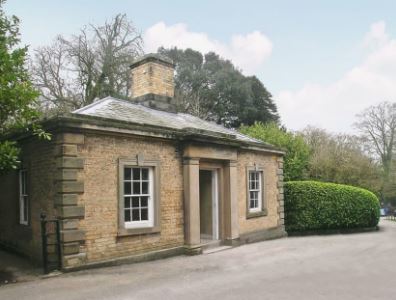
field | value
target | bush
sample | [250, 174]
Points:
[297, 151]
[311, 205]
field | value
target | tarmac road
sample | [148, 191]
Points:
[348, 266]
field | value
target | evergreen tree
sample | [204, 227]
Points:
[212, 88]
[17, 94]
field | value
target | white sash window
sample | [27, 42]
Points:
[23, 198]
[138, 197]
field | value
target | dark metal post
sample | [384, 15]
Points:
[44, 242]
[58, 245]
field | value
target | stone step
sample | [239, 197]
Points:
[216, 249]
[208, 244]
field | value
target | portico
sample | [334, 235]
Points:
[210, 180]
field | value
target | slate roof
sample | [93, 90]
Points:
[123, 110]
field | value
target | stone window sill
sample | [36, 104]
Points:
[256, 214]
[137, 231]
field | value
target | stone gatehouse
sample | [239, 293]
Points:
[133, 178]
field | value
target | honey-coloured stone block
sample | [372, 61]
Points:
[70, 162]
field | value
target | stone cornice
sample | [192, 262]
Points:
[152, 57]
[80, 123]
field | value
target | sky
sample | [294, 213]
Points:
[323, 61]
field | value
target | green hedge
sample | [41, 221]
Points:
[315, 206]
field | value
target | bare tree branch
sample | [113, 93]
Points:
[377, 125]
[73, 72]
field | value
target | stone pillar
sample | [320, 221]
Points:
[231, 202]
[191, 202]
[69, 187]
[281, 203]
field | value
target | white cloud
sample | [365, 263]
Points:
[377, 34]
[334, 106]
[247, 52]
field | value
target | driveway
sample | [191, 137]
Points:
[350, 266]
[14, 268]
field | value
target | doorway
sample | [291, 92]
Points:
[209, 205]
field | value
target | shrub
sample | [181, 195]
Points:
[311, 205]
[297, 151]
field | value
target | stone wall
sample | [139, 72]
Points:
[70, 189]
[270, 165]
[100, 199]
[152, 78]
[39, 160]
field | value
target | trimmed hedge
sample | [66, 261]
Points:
[316, 206]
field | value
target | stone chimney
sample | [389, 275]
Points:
[152, 82]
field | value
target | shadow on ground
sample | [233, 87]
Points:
[15, 268]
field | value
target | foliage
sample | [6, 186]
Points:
[72, 72]
[212, 88]
[377, 125]
[297, 151]
[340, 158]
[18, 97]
[9, 156]
[311, 205]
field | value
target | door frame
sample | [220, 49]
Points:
[215, 205]
[216, 221]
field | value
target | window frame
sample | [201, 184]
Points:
[150, 198]
[23, 192]
[261, 210]
[140, 227]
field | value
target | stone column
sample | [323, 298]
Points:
[231, 202]
[69, 187]
[191, 202]
[281, 210]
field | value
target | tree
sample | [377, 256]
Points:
[18, 97]
[72, 72]
[297, 151]
[340, 158]
[377, 125]
[212, 88]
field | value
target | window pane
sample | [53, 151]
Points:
[144, 201]
[253, 195]
[135, 202]
[25, 208]
[145, 187]
[127, 215]
[252, 204]
[136, 173]
[127, 173]
[145, 173]
[136, 188]
[23, 182]
[144, 214]
[254, 178]
[135, 215]
[127, 202]
[127, 188]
